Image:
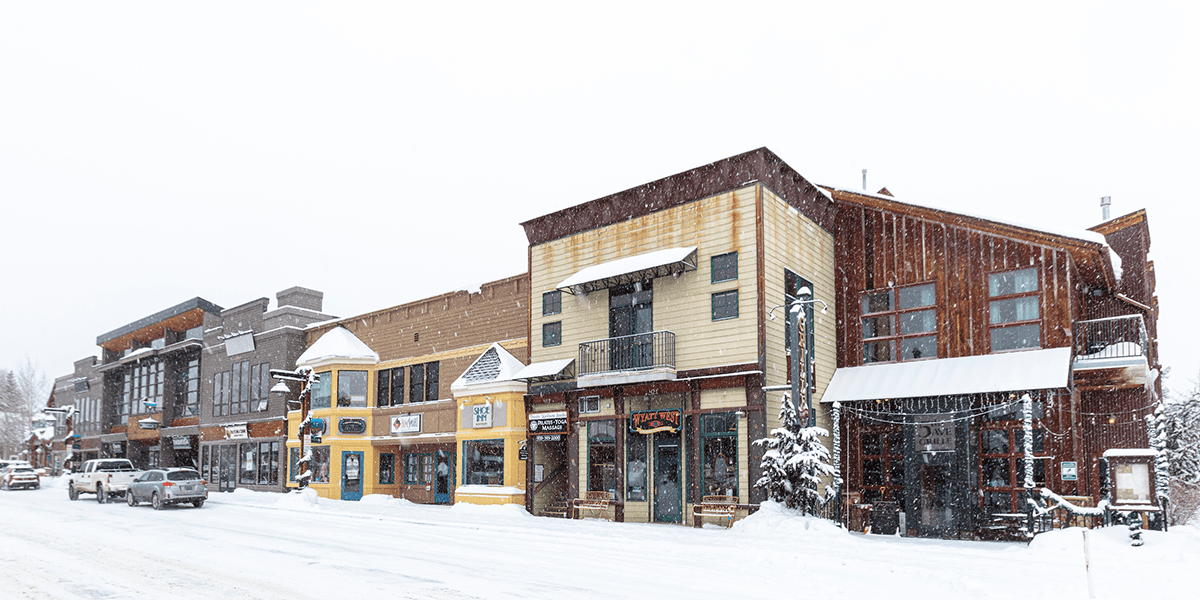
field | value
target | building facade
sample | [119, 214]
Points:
[948, 323]
[385, 416]
[652, 334]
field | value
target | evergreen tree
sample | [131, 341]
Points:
[1181, 422]
[794, 463]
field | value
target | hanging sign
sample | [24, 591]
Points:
[1070, 471]
[482, 414]
[652, 421]
[548, 422]
[934, 433]
[406, 423]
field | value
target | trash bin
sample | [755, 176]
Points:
[885, 518]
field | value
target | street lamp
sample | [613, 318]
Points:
[803, 296]
[308, 377]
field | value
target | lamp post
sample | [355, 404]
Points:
[803, 297]
[308, 377]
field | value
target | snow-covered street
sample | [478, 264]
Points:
[262, 545]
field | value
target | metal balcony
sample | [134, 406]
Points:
[1111, 354]
[627, 359]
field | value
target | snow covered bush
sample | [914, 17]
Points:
[794, 463]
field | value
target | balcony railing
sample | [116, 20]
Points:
[639, 352]
[1111, 338]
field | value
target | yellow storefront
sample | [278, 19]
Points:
[491, 430]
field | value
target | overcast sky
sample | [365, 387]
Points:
[383, 153]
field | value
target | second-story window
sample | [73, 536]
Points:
[552, 303]
[725, 305]
[352, 388]
[724, 267]
[899, 324]
[390, 388]
[1014, 314]
[552, 333]
[423, 382]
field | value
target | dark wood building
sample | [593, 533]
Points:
[947, 321]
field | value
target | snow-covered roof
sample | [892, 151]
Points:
[550, 369]
[337, 345]
[1130, 452]
[1010, 371]
[495, 365]
[631, 268]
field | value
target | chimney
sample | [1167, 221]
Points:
[864, 180]
[1105, 202]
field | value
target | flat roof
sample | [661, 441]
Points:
[162, 315]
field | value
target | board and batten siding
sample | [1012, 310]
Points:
[683, 305]
[794, 242]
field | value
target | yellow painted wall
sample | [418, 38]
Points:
[513, 434]
[683, 305]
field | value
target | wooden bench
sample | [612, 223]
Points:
[597, 502]
[718, 507]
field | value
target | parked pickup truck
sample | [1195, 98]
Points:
[105, 477]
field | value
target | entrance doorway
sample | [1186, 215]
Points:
[227, 468]
[443, 480]
[668, 488]
[936, 506]
[352, 483]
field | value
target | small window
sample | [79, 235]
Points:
[552, 333]
[387, 468]
[724, 267]
[725, 305]
[589, 404]
[552, 303]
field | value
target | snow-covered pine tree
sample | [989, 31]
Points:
[794, 463]
[1182, 424]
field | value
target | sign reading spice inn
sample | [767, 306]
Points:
[651, 421]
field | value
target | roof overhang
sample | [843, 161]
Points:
[1007, 372]
[551, 370]
[660, 263]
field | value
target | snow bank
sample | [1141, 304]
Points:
[305, 499]
[492, 511]
[776, 520]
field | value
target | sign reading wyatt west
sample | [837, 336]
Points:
[934, 433]
[651, 421]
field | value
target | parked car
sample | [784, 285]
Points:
[161, 487]
[12, 462]
[16, 476]
[105, 477]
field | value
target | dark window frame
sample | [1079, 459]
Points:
[894, 316]
[890, 457]
[722, 307]
[997, 298]
[552, 302]
[387, 468]
[552, 334]
[724, 267]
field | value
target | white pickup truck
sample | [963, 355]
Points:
[105, 477]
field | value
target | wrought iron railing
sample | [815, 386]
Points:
[1114, 337]
[636, 352]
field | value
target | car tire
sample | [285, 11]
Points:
[4, 485]
[156, 502]
[198, 503]
[101, 495]
[72, 493]
[130, 499]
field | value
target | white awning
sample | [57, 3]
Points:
[1008, 372]
[549, 370]
[671, 261]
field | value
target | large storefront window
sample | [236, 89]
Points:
[1002, 457]
[883, 464]
[320, 464]
[418, 469]
[387, 468]
[322, 390]
[718, 437]
[248, 464]
[602, 456]
[268, 463]
[352, 388]
[483, 462]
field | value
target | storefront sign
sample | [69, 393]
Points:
[651, 421]
[352, 426]
[482, 415]
[1070, 471]
[236, 432]
[316, 427]
[181, 442]
[934, 433]
[548, 422]
[406, 423]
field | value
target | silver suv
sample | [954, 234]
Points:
[161, 487]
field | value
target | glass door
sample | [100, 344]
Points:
[443, 480]
[227, 468]
[668, 489]
[352, 482]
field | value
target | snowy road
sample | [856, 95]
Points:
[256, 545]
